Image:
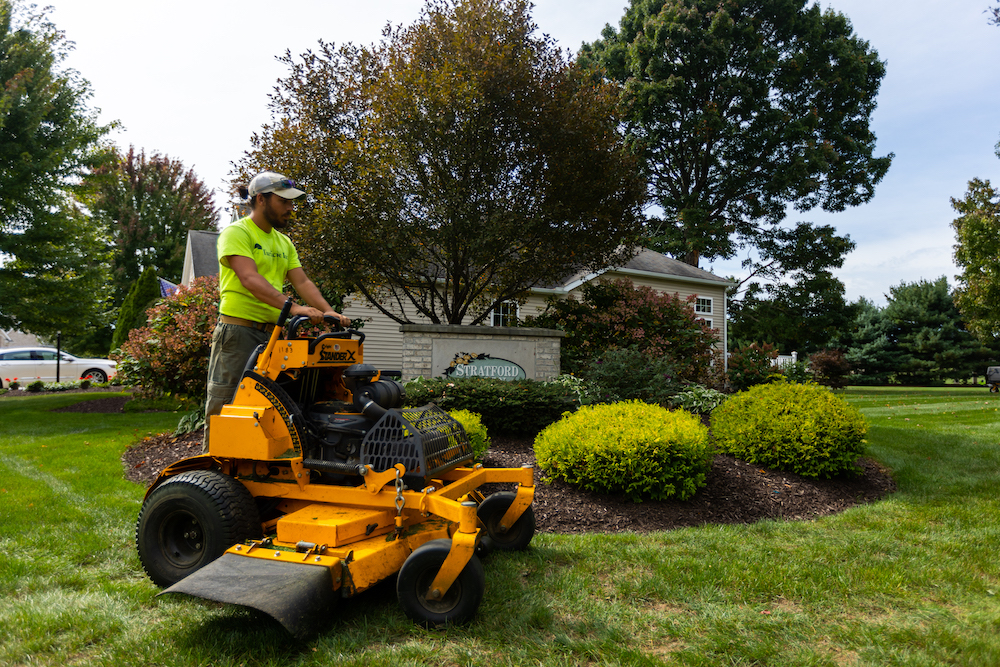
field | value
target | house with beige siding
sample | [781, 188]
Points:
[384, 340]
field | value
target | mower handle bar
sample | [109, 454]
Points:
[336, 334]
[299, 320]
[338, 331]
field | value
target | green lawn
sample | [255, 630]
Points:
[911, 580]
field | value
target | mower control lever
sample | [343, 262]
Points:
[284, 313]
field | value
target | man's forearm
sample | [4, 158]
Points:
[311, 295]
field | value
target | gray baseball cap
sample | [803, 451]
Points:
[269, 181]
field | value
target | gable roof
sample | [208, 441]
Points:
[15, 338]
[200, 258]
[644, 264]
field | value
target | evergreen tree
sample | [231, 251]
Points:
[143, 294]
[919, 338]
[867, 345]
[933, 342]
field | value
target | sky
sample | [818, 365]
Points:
[191, 80]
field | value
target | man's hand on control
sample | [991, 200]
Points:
[345, 321]
[314, 314]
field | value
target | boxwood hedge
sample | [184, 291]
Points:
[635, 448]
[800, 428]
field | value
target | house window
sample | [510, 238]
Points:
[703, 306]
[505, 314]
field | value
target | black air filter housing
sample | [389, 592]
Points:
[427, 440]
[358, 375]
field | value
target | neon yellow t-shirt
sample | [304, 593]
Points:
[274, 255]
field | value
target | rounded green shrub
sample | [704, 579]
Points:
[473, 424]
[635, 448]
[800, 428]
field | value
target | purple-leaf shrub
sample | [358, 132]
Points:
[170, 353]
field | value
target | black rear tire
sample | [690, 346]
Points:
[515, 538]
[461, 601]
[190, 520]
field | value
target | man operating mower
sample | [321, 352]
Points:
[255, 261]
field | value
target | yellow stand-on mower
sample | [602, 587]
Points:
[318, 484]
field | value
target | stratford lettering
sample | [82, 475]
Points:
[498, 369]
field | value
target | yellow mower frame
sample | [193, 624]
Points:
[294, 532]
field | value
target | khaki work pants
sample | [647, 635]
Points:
[232, 345]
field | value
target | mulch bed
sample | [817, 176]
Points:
[736, 491]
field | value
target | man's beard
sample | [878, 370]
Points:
[273, 218]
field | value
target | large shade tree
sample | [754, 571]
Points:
[741, 109]
[51, 261]
[456, 164]
[147, 205]
[790, 298]
[977, 254]
[804, 314]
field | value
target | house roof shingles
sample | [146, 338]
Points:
[648, 262]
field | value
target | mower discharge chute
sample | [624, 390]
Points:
[318, 484]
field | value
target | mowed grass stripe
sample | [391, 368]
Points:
[58, 489]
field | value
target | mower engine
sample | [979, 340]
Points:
[340, 427]
[375, 430]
